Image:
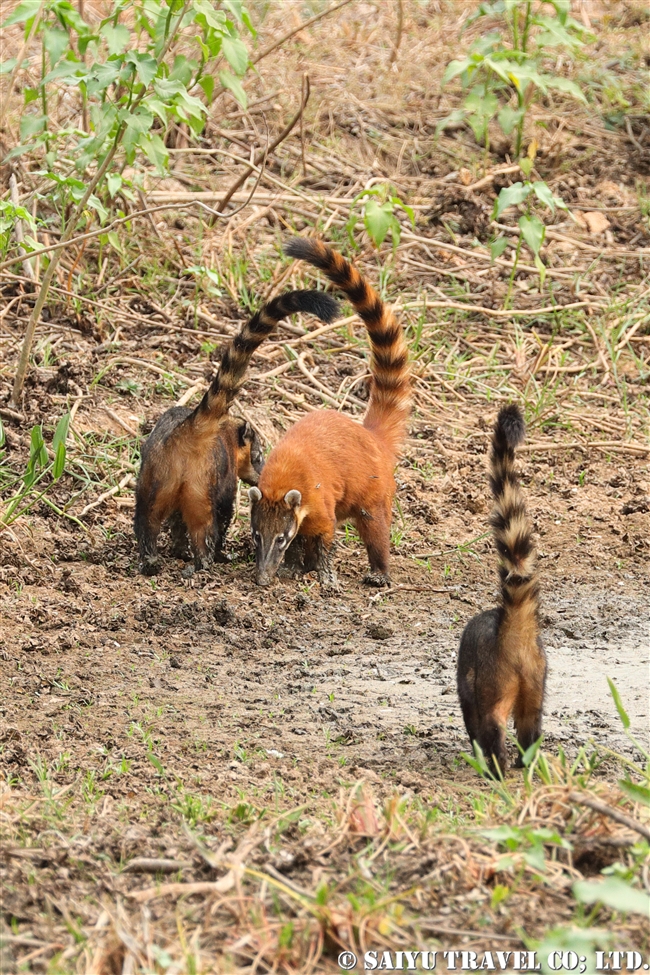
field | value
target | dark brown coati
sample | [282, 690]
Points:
[329, 468]
[501, 661]
[192, 458]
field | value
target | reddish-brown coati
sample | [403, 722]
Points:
[328, 468]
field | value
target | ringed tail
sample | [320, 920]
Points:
[509, 520]
[390, 394]
[232, 368]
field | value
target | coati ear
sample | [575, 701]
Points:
[292, 499]
[254, 495]
[246, 434]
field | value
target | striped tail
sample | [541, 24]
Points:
[232, 369]
[509, 519]
[390, 394]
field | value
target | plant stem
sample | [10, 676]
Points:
[19, 381]
[513, 272]
[524, 42]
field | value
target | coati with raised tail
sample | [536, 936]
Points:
[192, 458]
[328, 468]
[501, 661]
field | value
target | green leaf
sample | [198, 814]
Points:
[102, 75]
[6, 67]
[24, 11]
[637, 793]
[235, 86]
[117, 37]
[508, 118]
[377, 220]
[114, 240]
[182, 70]
[511, 196]
[533, 231]
[454, 68]
[458, 115]
[55, 43]
[2, 435]
[543, 193]
[497, 247]
[37, 451]
[31, 125]
[96, 204]
[212, 18]
[61, 432]
[156, 152]
[145, 66]
[541, 267]
[59, 461]
[570, 87]
[614, 893]
[30, 95]
[207, 84]
[235, 53]
[113, 183]
[622, 713]
[157, 764]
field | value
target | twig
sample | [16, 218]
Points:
[492, 176]
[605, 810]
[107, 494]
[155, 865]
[398, 33]
[263, 155]
[118, 419]
[296, 30]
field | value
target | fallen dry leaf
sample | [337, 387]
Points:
[596, 221]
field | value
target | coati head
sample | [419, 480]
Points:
[250, 456]
[274, 525]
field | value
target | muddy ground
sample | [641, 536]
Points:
[318, 688]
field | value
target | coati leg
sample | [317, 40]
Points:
[324, 553]
[294, 564]
[147, 524]
[178, 548]
[199, 521]
[374, 529]
[492, 739]
[222, 517]
[467, 696]
[528, 715]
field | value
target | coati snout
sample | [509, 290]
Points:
[274, 526]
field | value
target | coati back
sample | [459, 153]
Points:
[192, 458]
[328, 468]
[501, 661]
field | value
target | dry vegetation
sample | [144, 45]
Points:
[175, 799]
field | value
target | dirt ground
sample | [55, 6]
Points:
[362, 679]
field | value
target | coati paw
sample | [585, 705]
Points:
[290, 572]
[377, 579]
[150, 566]
[223, 558]
[330, 586]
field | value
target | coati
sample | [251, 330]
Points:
[192, 458]
[328, 468]
[501, 661]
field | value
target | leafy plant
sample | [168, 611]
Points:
[39, 467]
[379, 205]
[532, 230]
[130, 82]
[503, 72]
